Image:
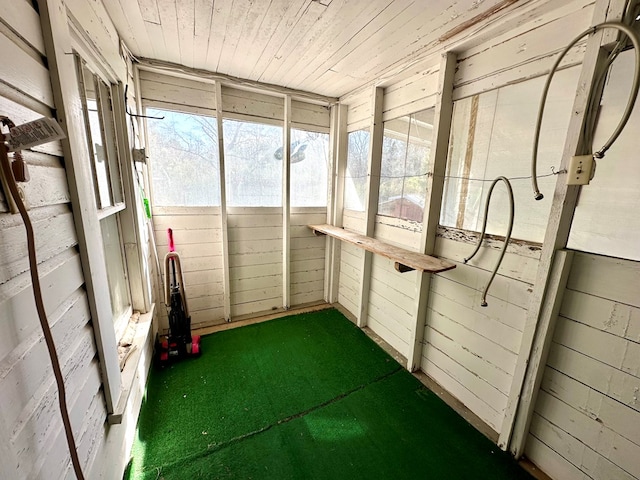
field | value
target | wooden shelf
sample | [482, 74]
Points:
[405, 260]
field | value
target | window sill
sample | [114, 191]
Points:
[128, 374]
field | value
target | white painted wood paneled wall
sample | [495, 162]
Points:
[29, 419]
[587, 418]
[198, 240]
[32, 440]
[255, 247]
[471, 351]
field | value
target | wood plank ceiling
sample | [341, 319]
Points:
[329, 47]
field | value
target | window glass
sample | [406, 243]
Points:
[405, 163]
[253, 164]
[96, 97]
[309, 167]
[355, 181]
[491, 136]
[116, 274]
[183, 152]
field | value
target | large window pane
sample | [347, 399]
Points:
[253, 164]
[118, 287]
[183, 150]
[355, 181]
[491, 136]
[309, 166]
[405, 163]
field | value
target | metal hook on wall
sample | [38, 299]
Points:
[484, 228]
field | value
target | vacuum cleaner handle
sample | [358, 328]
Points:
[172, 247]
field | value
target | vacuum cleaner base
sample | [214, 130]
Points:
[169, 349]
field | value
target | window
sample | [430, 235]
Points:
[492, 135]
[405, 163]
[355, 183]
[309, 167]
[253, 164]
[96, 100]
[183, 150]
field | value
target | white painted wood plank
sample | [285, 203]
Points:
[261, 306]
[439, 344]
[54, 233]
[604, 347]
[370, 28]
[175, 91]
[491, 329]
[603, 440]
[508, 292]
[255, 233]
[411, 95]
[253, 271]
[310, 115]
[203, 277]
[242, 260]
[182, 238]
[405, 236]
[610, 413]
[611, 317]
[21, 17]
[254, 20]
[251, 103]
[578, 455]
[459, 391]
[254, 282]
[552, 463]
[159, 211]
[389, 315]
[513, 265]
[517, 50]
[311, 267]
[48, 184]
[598, 376]
[486, 392]
[186, 21]
[194, 250]
[294, 48]
[97, 27]
[611, 278]
[482, 348]
[255, 247]
[37, 419]
[127, 17]
[513, 316]
[168, 16]
[60, 276]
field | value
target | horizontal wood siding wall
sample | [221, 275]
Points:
[307, 256]
[392, 294]
[198, 241]
[525, 52]
[255, 259]
[472, 350]
[587, 418]
[258, 107]
[32, 443]
[351, 265]
[175, 93]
